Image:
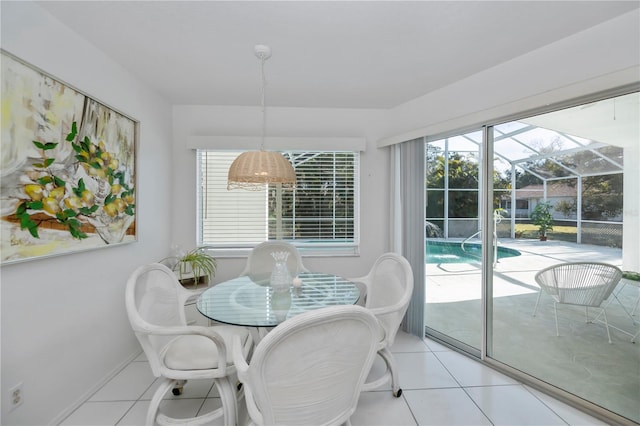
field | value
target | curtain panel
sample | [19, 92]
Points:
[407, 222]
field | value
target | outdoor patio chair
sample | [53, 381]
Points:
[176, 351]
[389, 286]
[586, 284]
[310, 369]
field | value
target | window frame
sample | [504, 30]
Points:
[306, 248]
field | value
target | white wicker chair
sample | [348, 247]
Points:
[310, 369]
[176, 351]
[585, 284]
[389, 286]
[260, 262]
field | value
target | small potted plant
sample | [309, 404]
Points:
[194, 267]
[543, 219]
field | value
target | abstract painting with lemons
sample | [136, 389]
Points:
[67, 168]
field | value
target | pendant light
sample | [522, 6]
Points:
[254, 170]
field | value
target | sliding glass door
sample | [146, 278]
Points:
[452, 249]
[563, 189]
[570, 163]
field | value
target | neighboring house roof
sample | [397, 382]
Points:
[537, 191]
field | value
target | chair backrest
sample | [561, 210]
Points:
[154, 299]
[260, 262]
[310, 369]
[579, 283]
[389, 289]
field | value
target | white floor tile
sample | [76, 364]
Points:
[571, 415]
[444, 407]
[471, 373]
[381, 408]
[440, 387]
[98, 413]
[512, 405]
[422, 371]
[136, 416]
[406, 342]
[211, 404]
[181, 408]
[129, 384]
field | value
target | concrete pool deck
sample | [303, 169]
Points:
[580, 360]
[513, 275]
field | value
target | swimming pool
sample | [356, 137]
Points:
[451, 252]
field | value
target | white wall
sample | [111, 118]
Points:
[600, 58]
[301, 122]
[64, 326]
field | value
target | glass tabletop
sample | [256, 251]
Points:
[252, 302]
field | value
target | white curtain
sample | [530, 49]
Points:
[407, 222]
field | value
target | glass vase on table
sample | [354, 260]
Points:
[280, 285]
[280, 276]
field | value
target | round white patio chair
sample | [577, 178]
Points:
[586, 284]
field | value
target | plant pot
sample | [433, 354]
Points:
[191, 282]
[543, 238]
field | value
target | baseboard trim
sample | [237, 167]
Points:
[85, 396]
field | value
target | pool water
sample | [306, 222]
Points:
[451, 252]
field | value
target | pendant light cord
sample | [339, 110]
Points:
[263, 102]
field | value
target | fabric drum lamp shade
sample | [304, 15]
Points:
[254, 169]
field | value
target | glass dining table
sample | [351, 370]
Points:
[250, 301]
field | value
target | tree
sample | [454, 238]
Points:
[523, 178]
[602, 196]
[565, 207]
[463, 183]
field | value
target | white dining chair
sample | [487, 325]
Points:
[310, 369]
[176, 351]
[260, 262]
[389, 286]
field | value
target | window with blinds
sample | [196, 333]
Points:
[319, 216]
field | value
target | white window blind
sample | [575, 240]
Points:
[320, 215]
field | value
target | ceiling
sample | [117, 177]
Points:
[326, 54]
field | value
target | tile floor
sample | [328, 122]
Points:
[440, 387]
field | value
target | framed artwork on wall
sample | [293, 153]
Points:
[67, 169]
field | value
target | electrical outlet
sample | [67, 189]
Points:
[16, 397]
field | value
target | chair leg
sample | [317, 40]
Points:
[391, 368]
[635, 308]
[154, 405]
[390, 374]
[555, 313]
[535, 308]
[228, 411]
[227, 391]
[604, 312]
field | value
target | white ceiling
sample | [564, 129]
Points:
[337, 54]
